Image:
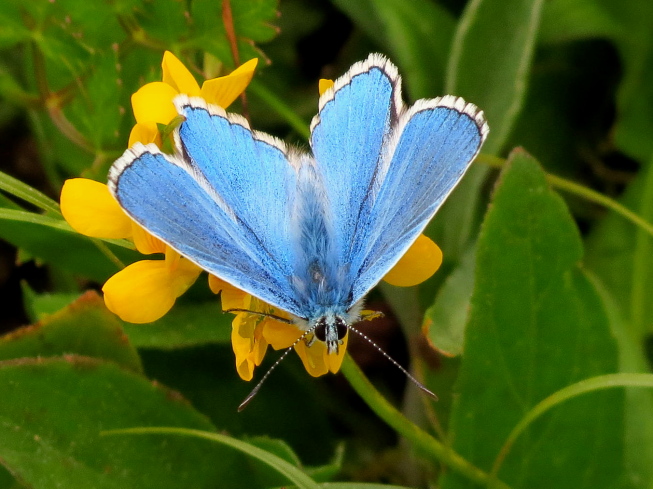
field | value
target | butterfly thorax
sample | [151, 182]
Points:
[331, 329]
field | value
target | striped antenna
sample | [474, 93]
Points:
[406, 373]
[255, 390]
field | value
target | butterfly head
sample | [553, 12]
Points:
[331, 329]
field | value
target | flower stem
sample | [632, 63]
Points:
[408, 430]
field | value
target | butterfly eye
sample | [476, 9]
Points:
[320, 331]
[342, 328]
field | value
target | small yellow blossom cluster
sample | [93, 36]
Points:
[147, 289]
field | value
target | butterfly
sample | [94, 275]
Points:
[308, 233]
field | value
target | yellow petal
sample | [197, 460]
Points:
[224, 90]
[231, 297]
[334, 360]
[280, 335]
[242, 347]
[146, 290]
[179, 265]
[177, 75]
[145, 132]
[421, 261]
[324, 84]
[145, 242]
[248, 344]
[313, 357]
[91, 210]
[153, 103]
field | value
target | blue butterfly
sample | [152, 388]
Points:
[310, 234]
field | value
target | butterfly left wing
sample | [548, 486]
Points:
[431, 148]
[224, 203]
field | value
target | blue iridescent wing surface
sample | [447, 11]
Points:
[386, 168]
[348, 135]
[431, 148]
[224, 202]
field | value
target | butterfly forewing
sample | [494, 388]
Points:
[348, 137]
[433, 146]
[177, 203]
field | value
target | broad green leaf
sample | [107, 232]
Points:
[13, 28]
[288, 470]
[85, 328]
[490, 60]
[53, 410]
[446, 319]
[537, 325]
[7, 481]
[206, 375]
[39, 306]
[359, 485]
[269, 476]
[634, 41]
[54, 242]
[98, 111]
[571, 20]
[187, 324]
[417, 34]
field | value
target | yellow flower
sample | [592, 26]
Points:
[146, 290]
[152, 103]
[252, 333]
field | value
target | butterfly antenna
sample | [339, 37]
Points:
[255, 390]
[406, 373]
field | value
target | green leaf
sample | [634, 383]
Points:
[292, 473]
[639, 402]
[620, 255]
[164, 20]
[571, 20]
[490, 60]
[39, 306]
[633, 39]
[85, 328]
[206, 375]
[53, 241]
[187, 324]
[359, 485]
[253, 22]
[536, 325]
[23, 191]
[447, 317]
[52, 412]
[417, 34]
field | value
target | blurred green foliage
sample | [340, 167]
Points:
[536, 292]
